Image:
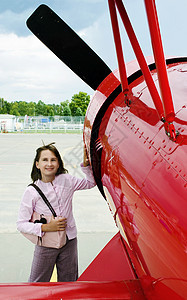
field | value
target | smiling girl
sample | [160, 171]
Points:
[49, 174]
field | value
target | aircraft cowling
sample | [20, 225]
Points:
[143, 173]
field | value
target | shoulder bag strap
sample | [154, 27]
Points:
[44, 198]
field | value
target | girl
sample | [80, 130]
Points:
[49, 174]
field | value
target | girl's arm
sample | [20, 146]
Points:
[85, 158]
[89, 181]
[25, 213]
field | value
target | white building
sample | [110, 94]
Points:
[7, 123]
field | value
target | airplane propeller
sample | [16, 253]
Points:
[62, 41]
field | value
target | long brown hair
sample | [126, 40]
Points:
[35, 173]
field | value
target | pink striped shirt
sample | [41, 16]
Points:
[60, 194]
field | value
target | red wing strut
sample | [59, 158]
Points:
[165, 107]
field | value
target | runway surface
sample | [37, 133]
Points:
[94, 221]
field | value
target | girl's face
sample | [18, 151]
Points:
[48, 165]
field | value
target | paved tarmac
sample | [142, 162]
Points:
[94, 221]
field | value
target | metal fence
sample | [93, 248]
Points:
[27, 124]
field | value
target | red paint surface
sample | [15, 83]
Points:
[73, 290]
[108, 266]
[145, 173]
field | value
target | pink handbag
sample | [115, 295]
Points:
[54, 239]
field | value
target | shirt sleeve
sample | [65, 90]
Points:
[84, 183]
[25, 213]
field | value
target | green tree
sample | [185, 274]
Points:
[63, 105]
[77, 107]
[78, 112]
[1, 105]
[14, 109]
[49, 110]
[6, 107]
[80, 100]
[56, 109]
[31, 109]
[40, 108]
[66, 111]
[22, 108]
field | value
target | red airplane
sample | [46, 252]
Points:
[137, 145]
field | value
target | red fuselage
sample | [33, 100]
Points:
[143, 174]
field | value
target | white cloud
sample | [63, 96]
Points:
[30, 72]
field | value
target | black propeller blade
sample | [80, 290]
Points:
[68, 46]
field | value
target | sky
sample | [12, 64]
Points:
[29, 71]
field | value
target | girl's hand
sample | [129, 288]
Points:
[85, 158]
[55, 225]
